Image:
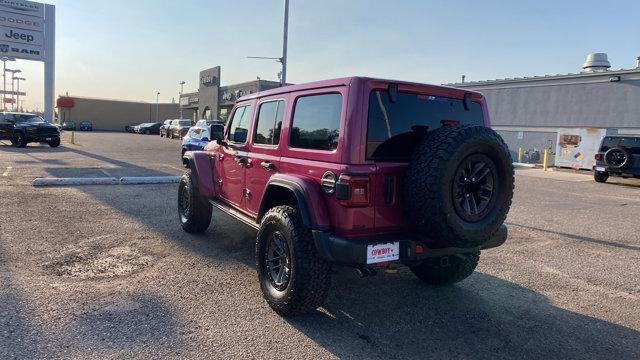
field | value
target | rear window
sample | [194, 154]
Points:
[632, 144]
[316, 120]
[394, 129]
[184, 123]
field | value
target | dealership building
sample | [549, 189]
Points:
[568, 114]
[210, 101]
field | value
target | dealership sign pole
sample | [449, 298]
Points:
[27, 31]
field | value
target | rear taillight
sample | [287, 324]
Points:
[598, 157]
[353, 190]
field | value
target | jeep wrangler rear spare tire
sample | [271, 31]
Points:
[194, 211]
[293, 278]
[459, 186]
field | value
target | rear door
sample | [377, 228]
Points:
[264, 156]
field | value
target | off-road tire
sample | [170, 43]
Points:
[433, 176]
[147, 132]
[19, 140]
[600, 176]
[456, 268]
[54, 143]
[194, 212]
[310, 276]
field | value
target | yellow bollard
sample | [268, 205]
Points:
[546, 159]
[73, 137]
[519, 155]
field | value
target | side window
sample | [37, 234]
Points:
[316, 122]
[269, 123]
[239, 124]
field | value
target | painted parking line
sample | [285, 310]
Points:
[6, 172]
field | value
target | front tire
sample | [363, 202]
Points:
[194, 211]
[447, 270]
[19, 140]
[54, 143]
[600, 176]
[293, 279]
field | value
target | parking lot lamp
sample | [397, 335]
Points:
[4, 75]
[13, 77]
[18, 95]
[157, 107]
[180, 97]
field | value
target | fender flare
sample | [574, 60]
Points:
[201, 168]
[315, 217]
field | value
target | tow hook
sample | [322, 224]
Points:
[364, 272]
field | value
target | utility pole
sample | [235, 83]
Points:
[283, 77]
[180, 97]
[157, 106]
[4, 76]
[283, 59]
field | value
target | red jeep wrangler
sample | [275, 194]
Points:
[355, 171]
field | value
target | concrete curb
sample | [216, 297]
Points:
[127, 180]
[74, 181]
[523, 165]
[132, 180]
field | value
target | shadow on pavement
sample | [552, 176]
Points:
[396, 316]
[580, 238]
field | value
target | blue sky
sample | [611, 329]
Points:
[132, 49]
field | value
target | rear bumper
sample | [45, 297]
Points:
[626, 171]
[353, 251]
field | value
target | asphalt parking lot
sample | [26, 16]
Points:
[106, 272]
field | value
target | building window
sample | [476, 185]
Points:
[269, 123]
[316, 120]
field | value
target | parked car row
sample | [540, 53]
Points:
[197, 137]
[83, 126]
[176, 128]
[149, 128]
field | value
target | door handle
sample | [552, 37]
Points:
[241, 160]
[267, 165]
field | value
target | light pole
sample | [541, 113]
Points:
[18, 95]
[157, 107]
[180, 97]
[4, 75]
[13, 76]
[283, 78]
[283, 58]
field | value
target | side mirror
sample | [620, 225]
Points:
[217, 132]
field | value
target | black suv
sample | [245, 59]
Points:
[618, 156]
[23, 128]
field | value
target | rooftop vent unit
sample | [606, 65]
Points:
[596, 62]
[638, 62]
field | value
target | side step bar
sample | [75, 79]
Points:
[234, 213]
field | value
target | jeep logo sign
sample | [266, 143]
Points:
[208, 80]
[20, 36]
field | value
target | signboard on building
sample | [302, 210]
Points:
[27, 31]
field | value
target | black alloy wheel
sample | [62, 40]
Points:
[473, 187]
[278, 261]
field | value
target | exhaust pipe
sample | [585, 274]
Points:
[364, 272]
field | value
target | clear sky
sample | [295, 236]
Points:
[130, 49]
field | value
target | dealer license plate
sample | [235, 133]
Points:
[48, 139]
[383, 252]
[600, 168]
